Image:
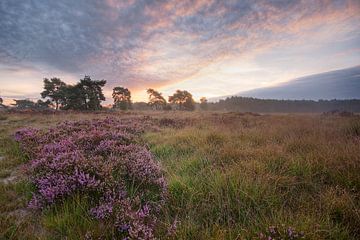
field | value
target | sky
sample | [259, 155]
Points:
[210, 48]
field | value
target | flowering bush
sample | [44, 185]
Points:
[99, 158]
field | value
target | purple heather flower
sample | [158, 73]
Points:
[98, 158]
[290, 232]
[124, 228]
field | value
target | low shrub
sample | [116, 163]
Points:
[100, 159]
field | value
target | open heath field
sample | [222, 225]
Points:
[179, 175]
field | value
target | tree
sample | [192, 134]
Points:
[92, 92]
[122, 98]
[73, 98]
[85, 95]
[203, 103]
[183, 99]
[156, 100]
[53, 90]
[1, 100]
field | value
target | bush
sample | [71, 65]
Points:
[100, 159]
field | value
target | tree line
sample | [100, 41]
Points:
[87, 94]
[247, 104]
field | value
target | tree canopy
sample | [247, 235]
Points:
[53, 90]
[72, 98]
[183, 100]
[85, 95]
[156, 100]
[122, 98]
[91, 92]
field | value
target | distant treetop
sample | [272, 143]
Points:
[122, 98]
[156, 100]
[183, 100]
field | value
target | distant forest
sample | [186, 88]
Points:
[245, 104]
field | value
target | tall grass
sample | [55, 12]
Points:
[234, 180]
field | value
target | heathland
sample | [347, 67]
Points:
[179, 175]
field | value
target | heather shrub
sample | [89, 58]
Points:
[100, 159]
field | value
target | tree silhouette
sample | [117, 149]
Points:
[183, 99]
[122, 98]
[156, 100]
[92, 92]
[73, 98]
[1, 100]
[85, 95]
[53, 90]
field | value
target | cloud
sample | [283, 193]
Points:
[143, 44]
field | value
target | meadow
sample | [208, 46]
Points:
[228, 176]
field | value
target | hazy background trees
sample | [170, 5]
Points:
[28, 104]
[203, 103]
[246, 104]
[122, 98]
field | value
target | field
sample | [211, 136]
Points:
[229, 176]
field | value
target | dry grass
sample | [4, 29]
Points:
[230, 175]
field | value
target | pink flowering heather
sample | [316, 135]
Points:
[99, 158]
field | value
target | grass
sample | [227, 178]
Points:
[70, 219]
[230, 176]
[232, 180]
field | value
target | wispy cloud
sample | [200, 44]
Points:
[169, 44]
